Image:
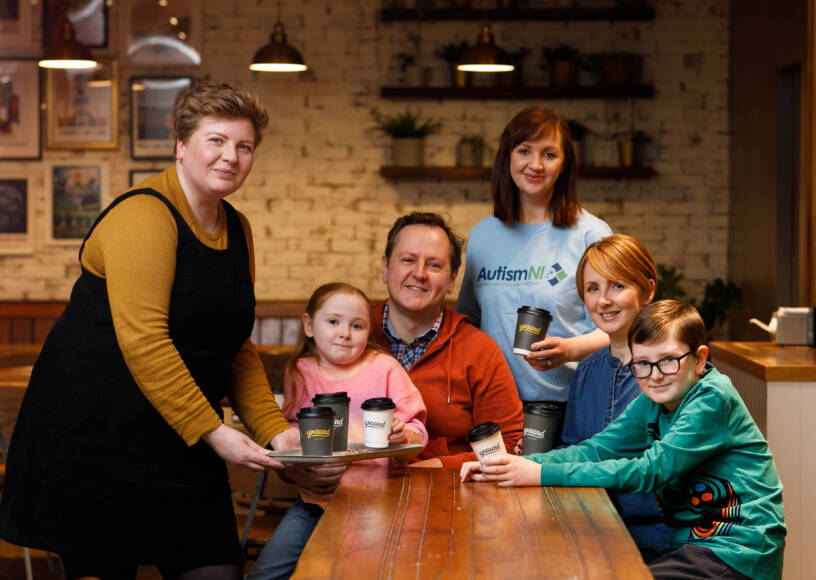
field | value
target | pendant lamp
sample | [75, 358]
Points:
[278, 56]
[485, 56]
[67, 52]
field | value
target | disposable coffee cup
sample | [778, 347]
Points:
[316, 430]
[377, 416]
[531, 326]
[540, 426]
[339, 403]
[486, 440]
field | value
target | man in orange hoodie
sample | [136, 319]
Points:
[460, 371]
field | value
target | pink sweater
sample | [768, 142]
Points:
[381, 377]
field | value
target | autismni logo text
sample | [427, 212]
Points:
[552, 274]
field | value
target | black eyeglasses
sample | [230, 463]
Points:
[667, 366]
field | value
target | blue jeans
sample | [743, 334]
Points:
[280, 554]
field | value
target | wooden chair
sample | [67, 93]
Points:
[260, 501]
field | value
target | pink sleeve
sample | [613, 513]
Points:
[410, 406]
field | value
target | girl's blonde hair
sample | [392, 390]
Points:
[619, 257]
[305, 345]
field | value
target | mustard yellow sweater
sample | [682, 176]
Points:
[134, 250]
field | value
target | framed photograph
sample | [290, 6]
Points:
[139, 175]
[82, 109]
[16, 30]
[151, 109]
[156, 33]
[19, 109]
[73, 200]
[88, 17]
[15, 215]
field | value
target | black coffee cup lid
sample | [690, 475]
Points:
[309, 412]
[545, 409]
[482, 431]
[537, 311]
[339, 397]
[378, 404]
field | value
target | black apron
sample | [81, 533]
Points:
[93, 469]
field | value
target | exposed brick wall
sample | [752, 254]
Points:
[319, 208]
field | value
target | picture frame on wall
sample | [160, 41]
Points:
[152, 100]
[139, 175]
[16, 211]
[153, 34]
[16, 28]
[82, 109]
[19, 110]
[74, 198]
[89, 19]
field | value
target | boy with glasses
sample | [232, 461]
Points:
[689, 439]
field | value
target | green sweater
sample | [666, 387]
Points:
[715, 479]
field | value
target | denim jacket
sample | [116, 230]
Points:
[600, 390]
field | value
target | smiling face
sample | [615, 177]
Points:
[340, 329]
[612, 304]
[216, 158]
[669, 390]
[418, 273]
[535, 165]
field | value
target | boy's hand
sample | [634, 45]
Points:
[505, 470]
[518, 449]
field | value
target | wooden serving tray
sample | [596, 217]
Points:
[355, 452]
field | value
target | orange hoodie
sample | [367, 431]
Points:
[464, 380]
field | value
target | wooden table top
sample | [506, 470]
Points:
[768, 361]
[424, 523]
[15, 377]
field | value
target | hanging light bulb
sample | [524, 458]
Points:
[278, 56]
[485, 56]
[67, 52]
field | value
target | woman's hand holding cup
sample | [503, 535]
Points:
[549, 353]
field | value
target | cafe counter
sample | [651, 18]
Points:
[778, 385]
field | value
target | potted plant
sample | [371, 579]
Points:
[620, 68]
[515, 78]
[452, 54]
[407, 133]
[470, 151]
[562, 64]
[630, 147]
[718, 297]
[409, 71]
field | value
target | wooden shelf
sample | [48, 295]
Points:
[524, 93]
[636, 13]
[397, 173]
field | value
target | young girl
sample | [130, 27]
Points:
[615, 279]
[689, 438]
[334, 353]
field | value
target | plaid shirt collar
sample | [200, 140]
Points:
[407, 354]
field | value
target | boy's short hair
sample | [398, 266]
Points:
[432, 220]
[668, 318]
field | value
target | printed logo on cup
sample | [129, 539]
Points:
[318, 433]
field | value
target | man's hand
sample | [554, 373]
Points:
[321, 479]
[505, 470]
[239, 450]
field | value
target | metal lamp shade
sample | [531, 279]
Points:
[68, 52]
[278, 56]
[485, 56]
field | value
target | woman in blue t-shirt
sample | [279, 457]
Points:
[527, 252]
